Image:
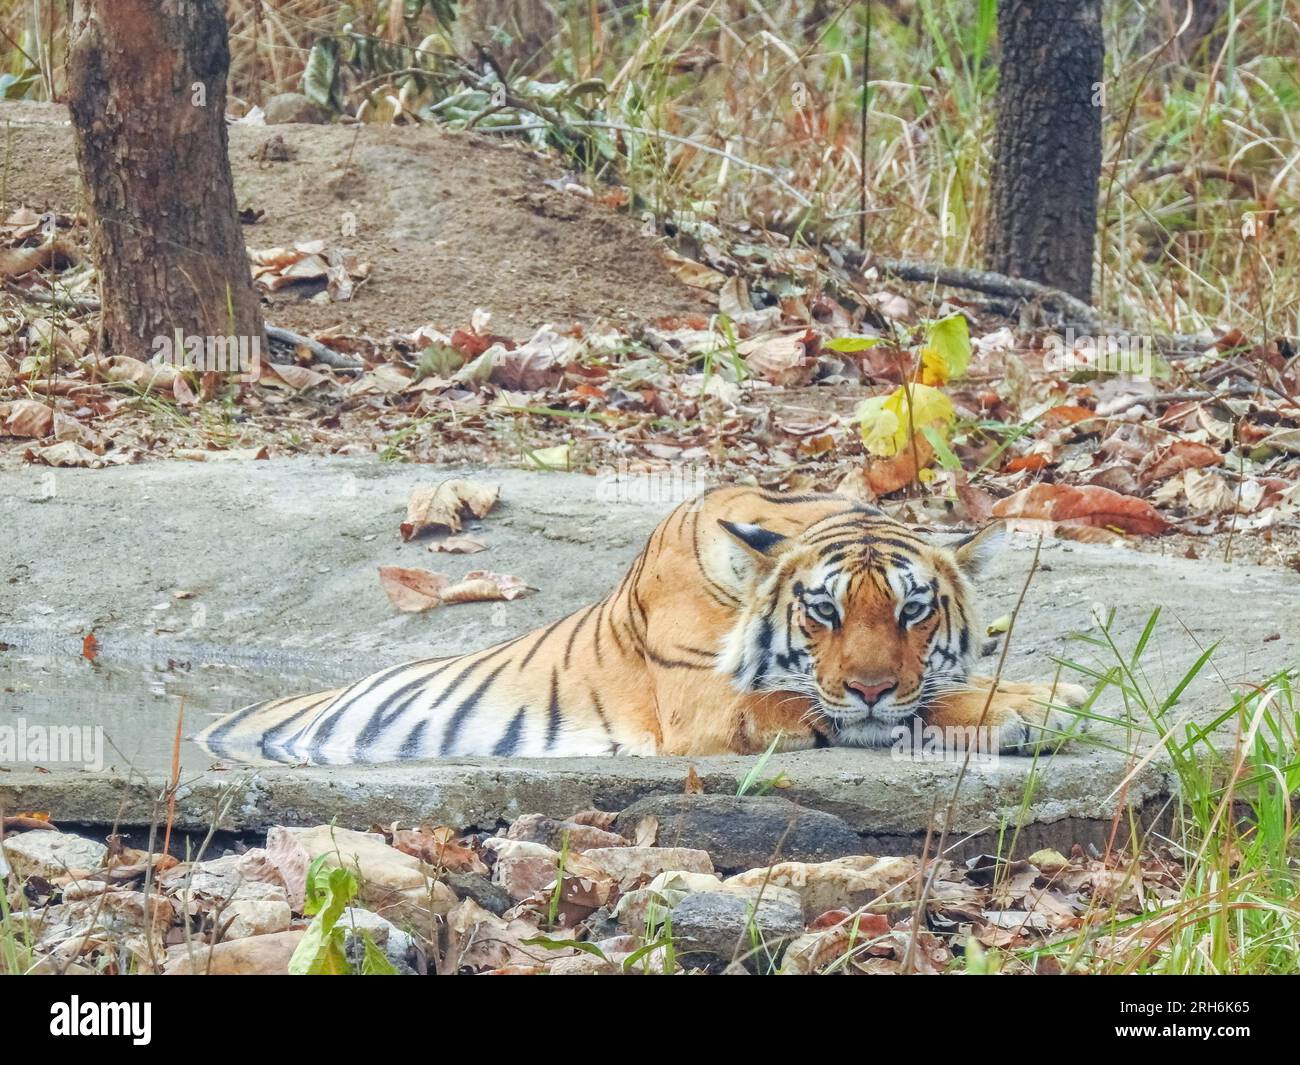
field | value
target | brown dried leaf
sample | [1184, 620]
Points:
[788, 361]
[66, 453]
[1089, 505]
[1178, 456]
[440, 848]
[30, 418]
[443, 505]
[413, 590]
[897, 471]
[647, 831]
[459, 545]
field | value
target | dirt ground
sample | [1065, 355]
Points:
[449, 222]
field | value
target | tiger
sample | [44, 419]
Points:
[751, 620]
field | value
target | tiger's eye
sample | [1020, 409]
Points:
[913, 611]
[824, 611]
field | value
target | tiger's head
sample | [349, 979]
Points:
[858, 614]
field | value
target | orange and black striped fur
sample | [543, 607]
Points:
[748, 614]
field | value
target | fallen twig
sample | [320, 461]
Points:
[333, 359]
[995, 284]
[1163, 398]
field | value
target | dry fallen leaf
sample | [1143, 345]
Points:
[694, 785]
[1090, 505]
[689, 272]
[646, 831]
[234, 454]
[787, 361]
[28, 417]
[885, 475]
[1207, 492]
[65, 453]
[1178, 456]
[439, 847]
[414, 590]
[459, 545]
[442, 505]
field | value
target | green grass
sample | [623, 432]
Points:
[1232, 825]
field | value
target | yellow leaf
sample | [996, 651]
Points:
[884, 422]
[878, 425]
[934, 367]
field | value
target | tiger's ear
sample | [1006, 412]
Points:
[976, 551]
[757, 539]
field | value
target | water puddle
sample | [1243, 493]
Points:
[61, 712]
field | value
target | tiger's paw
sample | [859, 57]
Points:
[1038, 716]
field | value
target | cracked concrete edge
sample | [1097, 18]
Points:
[889, 802]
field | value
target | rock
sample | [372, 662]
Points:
[842, 884]
[492, 897]
[535, 828]
[254, 910]
[293, 107]
[391, 883]
[712, 927]
[630, 863]
[238, 906]
[1049, 861]
[256, 956]
[521, 878]
[400, 948]
[96, 916]
[743, 832]
[52, 854]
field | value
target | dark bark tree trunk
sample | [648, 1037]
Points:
[1047, 156]
[147, 91]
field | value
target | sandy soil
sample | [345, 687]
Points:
[449, 222]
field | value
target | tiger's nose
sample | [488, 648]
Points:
[871, 690]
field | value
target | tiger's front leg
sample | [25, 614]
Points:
[1024, 716]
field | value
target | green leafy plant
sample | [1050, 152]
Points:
[321, 952]
[329, 891]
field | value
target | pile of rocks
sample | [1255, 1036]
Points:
[673, 883]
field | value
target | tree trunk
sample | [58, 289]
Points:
[147, 91]
[1047, 157]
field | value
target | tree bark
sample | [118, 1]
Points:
[1047, 156]
[147, 92]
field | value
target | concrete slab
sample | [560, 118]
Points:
[892, 804]
[219, 583]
